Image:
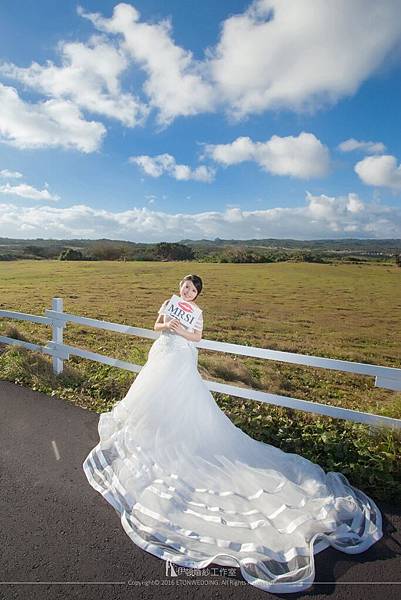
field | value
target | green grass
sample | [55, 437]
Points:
[344, 311]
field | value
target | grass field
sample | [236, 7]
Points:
[350, 312]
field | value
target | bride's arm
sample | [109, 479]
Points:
[195, 336]
[175, 327]
[160, 325]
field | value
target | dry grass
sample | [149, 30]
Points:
[351, 312]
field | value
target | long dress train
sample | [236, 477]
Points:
[193, 488]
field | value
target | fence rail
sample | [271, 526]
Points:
[57, 319]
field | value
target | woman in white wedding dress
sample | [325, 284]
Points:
[193, 488]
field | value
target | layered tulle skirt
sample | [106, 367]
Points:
[193, 488]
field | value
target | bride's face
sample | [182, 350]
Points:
[188, 291]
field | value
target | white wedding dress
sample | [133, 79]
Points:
[193, 488]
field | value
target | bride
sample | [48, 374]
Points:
[192, 488]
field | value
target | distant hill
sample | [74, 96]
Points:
[388, 246]
[351, 244]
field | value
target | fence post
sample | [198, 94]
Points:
[57, 337]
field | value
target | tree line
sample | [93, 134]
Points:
[177, 251]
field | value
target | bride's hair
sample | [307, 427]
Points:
[197, 281]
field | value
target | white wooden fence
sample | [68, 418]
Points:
[57, 319]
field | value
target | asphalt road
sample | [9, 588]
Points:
[60, 539]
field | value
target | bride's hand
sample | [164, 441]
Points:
[174, 326]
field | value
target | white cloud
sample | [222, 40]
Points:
[303, 156]
[381, 171]
[5, 173]
[89, 77]
[155, 166]
[319, 217]
[301, 55]
[28, 191]
[330, 209]
[176, 83]
[369, 147]
[277, 54]
[46, 124]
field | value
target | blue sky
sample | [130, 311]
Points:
[163, 120]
